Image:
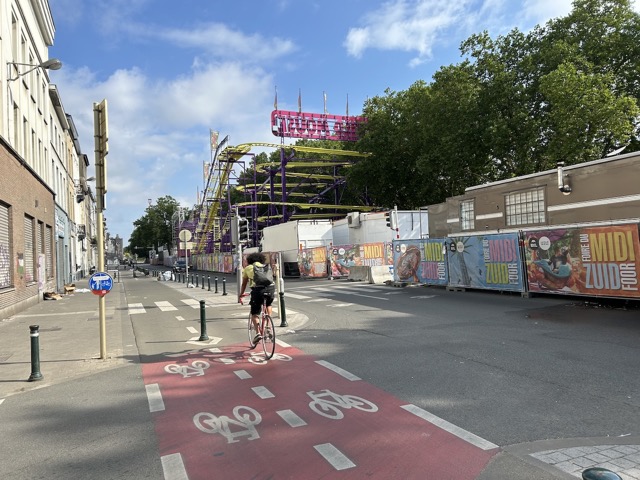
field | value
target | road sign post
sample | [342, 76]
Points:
[101, 150]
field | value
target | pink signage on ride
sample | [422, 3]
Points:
[316, 126]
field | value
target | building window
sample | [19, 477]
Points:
[6, 270]
[525, 208]
[467, 215]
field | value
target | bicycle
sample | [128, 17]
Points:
[265, 329]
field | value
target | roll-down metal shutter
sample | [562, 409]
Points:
[5, 247]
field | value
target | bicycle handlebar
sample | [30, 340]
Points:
[241, 297]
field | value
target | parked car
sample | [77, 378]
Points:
[180, 266]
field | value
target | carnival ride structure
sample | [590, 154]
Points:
[272, 200]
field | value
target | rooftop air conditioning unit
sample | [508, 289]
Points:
[353, 220]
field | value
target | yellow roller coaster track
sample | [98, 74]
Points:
[223, 164]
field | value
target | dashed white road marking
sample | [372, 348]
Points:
[282, 344]
[262, 392]
[424, 296]
[319, 300]
[154, 396]
[242, 374]
[180, 319]
[165, 306]
[173, 467]
[291, 418]
[2, 400]
[335, 457]
[368, 296]
[340, 305]
[192, 330]
[450, 427]
[227, 361]
[338, 370]
[136, 308]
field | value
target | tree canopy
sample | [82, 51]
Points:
[516, 104]
[155, 228]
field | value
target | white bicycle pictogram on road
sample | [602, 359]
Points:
[197, 368]
[332, 408]
[245, 417]
[259, 359]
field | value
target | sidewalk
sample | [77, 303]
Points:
[69, 340]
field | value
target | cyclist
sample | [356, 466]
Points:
[258, 294]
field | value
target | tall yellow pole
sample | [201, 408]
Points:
[101, 137]
[102, 310]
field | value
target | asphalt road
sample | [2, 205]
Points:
[506, 368]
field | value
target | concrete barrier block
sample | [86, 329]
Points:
[381, 274]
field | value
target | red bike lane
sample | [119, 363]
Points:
[226, 413]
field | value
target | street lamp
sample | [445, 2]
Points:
[51, 64]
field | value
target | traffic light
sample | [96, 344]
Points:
[391, 219]
[243, 230]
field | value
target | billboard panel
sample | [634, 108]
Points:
[485, 261]
[420, 261]
[312, 262]
[596, 261]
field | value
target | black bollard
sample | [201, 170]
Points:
[224, 286]
[202, 282]
[216, 285]
[35, 354]
[597, 473]
[203, 323]
[197, 281]
[208, 283]
[283, 312]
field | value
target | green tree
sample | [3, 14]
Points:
[155, 227]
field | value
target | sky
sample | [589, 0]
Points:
[172, 71]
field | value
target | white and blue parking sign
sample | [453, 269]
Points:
[100, 283]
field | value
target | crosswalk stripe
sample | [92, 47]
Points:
[165, 306]
[192, 302]
[135, 308]
[295, 295]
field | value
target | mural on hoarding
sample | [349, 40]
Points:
[213, 262]
[369, 254]
[420, 261]
[312, 262]
[485, 261]
[584, 260]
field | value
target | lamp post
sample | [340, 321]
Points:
[51, 64]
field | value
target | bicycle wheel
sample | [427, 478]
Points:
[252, 333]
[269, 337]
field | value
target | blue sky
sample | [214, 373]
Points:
[171, 71]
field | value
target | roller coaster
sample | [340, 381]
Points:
[269, 201]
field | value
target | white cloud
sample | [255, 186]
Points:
[159, 129]
[407, 25]
[540, 11]
[219, 41]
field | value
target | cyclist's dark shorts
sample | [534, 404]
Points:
[257, 294]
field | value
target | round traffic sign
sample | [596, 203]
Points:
[184, 235]
[100, 283]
